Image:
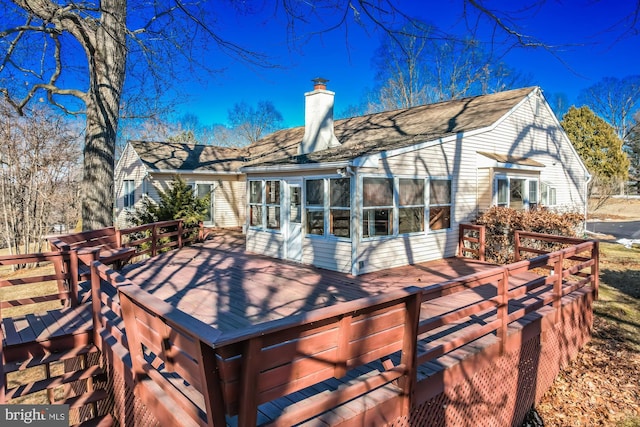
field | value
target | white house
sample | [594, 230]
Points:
[390, 189]
[376, 191]
[146, 167]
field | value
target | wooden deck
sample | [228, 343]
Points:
[271, 341]
[223, 286]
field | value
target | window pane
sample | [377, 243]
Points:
[255, 192]
[273, 192]
[273, 217]
[503, 192]
[378, 192]
[411, 220]
[377, 222]
[315, 222]
[340, 194]
[533, 191]
[440, 192]
[315, 192]
[439, 218]
[411, 192]
[340, 224]
[552, 196]
[256, 215]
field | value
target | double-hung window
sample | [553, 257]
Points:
[255, 203]
[411, 205]
[548, 194]
[128, 190]
[272, 204]
[378, 207]
[439, 204]
[314, 189]
[264, 204]
[340, 207]
[330, 199]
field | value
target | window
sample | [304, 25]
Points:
[273, 204]
[336, 207]
[548, 194]
[378, 207]
[533, 195]
[340, 207]
[517, 193]
[129, 189]
[255, 203]
[439, 204]
[503, 192]
[411, 205]
[315, 206]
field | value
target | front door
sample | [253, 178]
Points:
[293, 221]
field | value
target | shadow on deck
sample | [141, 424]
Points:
[210, 335]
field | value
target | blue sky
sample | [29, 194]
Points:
[589, 45]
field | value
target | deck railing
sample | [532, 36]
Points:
[158, 237]
[210, 376]
[63, 264]
[471, 240]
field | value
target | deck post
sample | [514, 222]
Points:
[558, 270]
[154, 238]
[409, 356]
[482, 233]
[96, 303]
[3, 379]
[131, 330]
[180, 230]
[516, 245]
[595, 268]
[248, 395]
[72, 270]
[503, 308]
[211, 389]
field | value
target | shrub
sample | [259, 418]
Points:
[501, 223]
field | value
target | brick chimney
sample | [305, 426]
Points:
[318, 119]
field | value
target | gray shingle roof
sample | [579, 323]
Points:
[185, 157]
[389, 130]
[359, 136]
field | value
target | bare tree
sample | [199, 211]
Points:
[39, 174]
[421, 66]
[251, 123]
[78, 54]
[615, 100]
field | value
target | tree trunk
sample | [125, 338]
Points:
[107, 68]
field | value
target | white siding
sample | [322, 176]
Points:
[328, 253]
[129, 167]
[265, 243]
[230, 203]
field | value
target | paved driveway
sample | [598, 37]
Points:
[618, 229]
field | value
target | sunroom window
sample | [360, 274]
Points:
[411, 209]
[339, 207]
[255, 203]
[272, 192]
[315, 206]
[439, 204]
[519, 193]
[378, 207]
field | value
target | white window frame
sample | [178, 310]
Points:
[263, 205]
[429, 205]
[526, 193]
[129, 193]
[547, 191]
[325, 208]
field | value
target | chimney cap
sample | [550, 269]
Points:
[319, 83]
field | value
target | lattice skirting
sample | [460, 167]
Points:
[490, 389]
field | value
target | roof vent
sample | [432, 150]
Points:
[318, 119]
